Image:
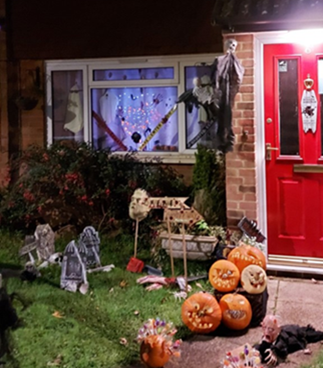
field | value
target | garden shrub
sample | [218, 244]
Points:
[78, 185]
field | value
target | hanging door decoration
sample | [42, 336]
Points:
[309, 106]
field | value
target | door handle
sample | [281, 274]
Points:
[269, 148]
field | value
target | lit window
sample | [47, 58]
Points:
[126, 105]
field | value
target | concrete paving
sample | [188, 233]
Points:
[296, 301]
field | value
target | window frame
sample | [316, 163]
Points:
[88, 66]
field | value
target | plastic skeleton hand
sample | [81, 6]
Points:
[271, 358]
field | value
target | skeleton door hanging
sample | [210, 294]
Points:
[309, 106]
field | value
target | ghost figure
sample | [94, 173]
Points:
[139, 207]
[46, 241]
[278, 341]
[108, 110]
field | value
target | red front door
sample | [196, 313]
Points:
[294, 150]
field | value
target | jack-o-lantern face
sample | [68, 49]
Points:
[201, 313]
[254, 279]
[245, 255]
[236, 311]
[224, 275]
[154, 352]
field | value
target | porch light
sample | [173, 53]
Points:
[306, 37]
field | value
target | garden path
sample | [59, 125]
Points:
[296, 301]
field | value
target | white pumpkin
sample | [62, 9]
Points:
[254, 279]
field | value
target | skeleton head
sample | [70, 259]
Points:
[230, 45]
[271, 328]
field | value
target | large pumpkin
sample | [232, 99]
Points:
[224, 275]
[254, 279]
[201, 313]
[236, 311]
[245, 255]
[154, 352]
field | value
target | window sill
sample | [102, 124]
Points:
[167, 158]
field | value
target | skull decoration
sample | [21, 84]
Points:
[236, 311]
[271, 328]
[230, 45]
[254, 279]
[139, 208]
[201, 313]
[224, 275]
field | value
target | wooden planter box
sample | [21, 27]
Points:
[197, 247]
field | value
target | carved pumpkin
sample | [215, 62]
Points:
[201, 313]
[224, 275]
[245, 255]
[254, 279]
[236, 311]
[154, 352]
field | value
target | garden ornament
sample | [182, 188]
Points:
[73, 274]
[90, 239]
[138, 210]
[280, 340]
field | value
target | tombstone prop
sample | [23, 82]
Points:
[73, 275]
[46, 241]
[90, 239]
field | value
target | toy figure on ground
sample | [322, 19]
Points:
[280, 340]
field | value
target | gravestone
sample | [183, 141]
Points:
[45, 237]
[90, 239]
[73, 273]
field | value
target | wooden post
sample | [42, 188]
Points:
[184, 256]
[136, 238]
[170, 244]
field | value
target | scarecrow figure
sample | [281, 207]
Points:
[278, 341]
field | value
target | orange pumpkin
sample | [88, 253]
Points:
[236, 311]
[201, 313]
[154, 352]
[224, 275]
[245, 255]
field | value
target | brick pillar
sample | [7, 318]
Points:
[4, 138]
[241, 163]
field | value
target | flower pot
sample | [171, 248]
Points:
[198, 247]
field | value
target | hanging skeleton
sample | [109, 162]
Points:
[227, 75]
[216, 102]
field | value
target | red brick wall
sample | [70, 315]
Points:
[3, 102]
[33, 125]
[241, 163]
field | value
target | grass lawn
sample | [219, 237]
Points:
[89, 333]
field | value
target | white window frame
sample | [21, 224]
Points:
[178, 62]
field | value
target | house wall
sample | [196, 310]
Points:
[3, 102]
[241, 177]
[96, 29]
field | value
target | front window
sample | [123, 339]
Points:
[125, 105]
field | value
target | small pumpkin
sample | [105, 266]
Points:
[154, 352]
[245, 255]
[224, 275]
[201, 313]
[254, 279]
[236, 311]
